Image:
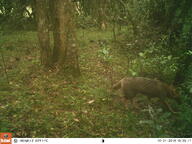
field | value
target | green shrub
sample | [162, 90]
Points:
[151, 63]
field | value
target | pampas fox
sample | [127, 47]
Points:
[131, 86]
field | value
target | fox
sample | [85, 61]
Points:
[131, 86]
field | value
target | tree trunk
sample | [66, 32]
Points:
[55, 26]
[101, 14]
[43, 32]
[65, 47]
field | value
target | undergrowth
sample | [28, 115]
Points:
[38, 102]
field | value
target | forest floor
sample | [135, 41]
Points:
[44, 103]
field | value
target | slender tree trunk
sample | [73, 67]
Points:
[65, 49]
[43, 32]
[4, 67]
[130, 17]
[101, 14]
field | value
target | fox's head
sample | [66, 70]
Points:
[173, 93]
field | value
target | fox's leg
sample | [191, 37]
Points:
[167, 105]
[129, 95]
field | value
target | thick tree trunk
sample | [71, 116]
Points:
[65, 47]
[43, 31]
[56, 35]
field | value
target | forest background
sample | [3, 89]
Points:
[60, 58]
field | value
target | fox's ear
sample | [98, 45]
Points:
[173, 91]
[117, 85]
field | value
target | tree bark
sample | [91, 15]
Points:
[55, 26]
[65, 47]
[43, 32]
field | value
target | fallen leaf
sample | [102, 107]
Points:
[91, 101]
[85, 111]
[77, 120]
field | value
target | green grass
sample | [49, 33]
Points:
[40, 103]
